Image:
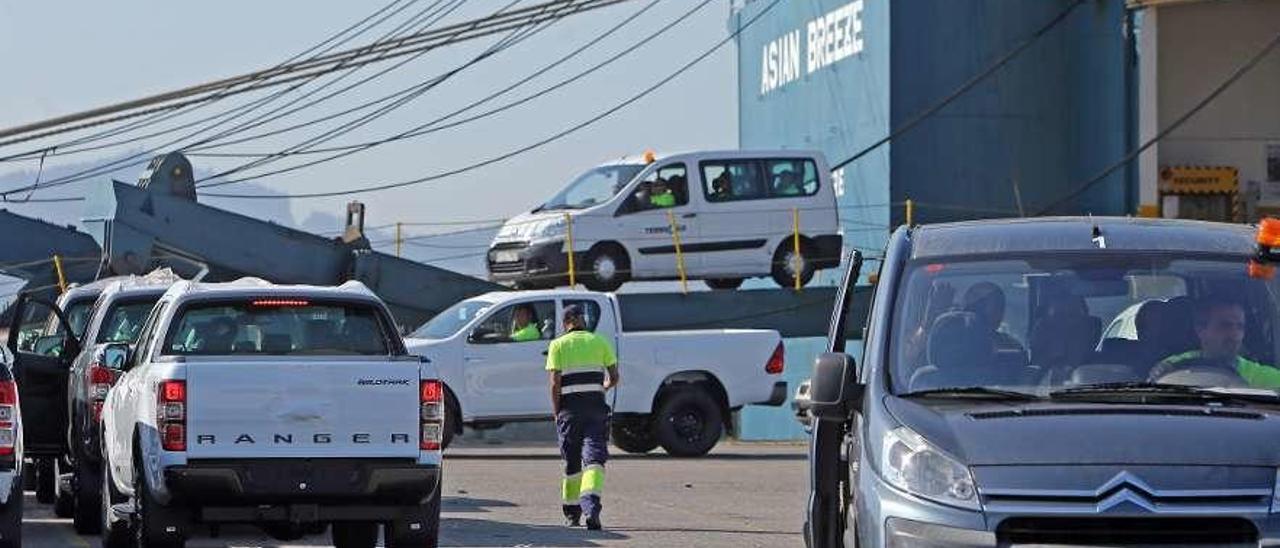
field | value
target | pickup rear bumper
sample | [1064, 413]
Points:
[778, 396]
[323, 482]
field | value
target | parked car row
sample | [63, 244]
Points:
[176, 407]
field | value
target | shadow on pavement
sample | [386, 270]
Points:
[468, 504]
[617, 455]
[485, 533]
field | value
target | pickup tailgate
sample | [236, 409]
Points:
[297, 407]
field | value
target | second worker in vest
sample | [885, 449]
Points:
[582, 367]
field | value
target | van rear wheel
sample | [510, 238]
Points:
[787, 265]
[723, 283]
[607, 268]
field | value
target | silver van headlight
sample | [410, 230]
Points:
[912, 464]
[1275, 494]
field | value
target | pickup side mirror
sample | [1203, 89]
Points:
[833, 389]
[116, 356]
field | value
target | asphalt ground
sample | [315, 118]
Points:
[742, 494]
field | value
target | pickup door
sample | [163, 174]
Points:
[302, 407]
[43, 347]
[503, 366]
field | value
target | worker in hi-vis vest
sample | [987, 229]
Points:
[582, 366]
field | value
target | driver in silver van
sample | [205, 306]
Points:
[1220, 328]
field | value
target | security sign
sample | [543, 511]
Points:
[1199, 180]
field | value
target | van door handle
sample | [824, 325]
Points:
[689, 215]
[474, 359]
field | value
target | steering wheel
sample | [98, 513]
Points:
[1200, 375]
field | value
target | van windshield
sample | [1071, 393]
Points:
[278, 326]
[452, 320]
[1049, 323]
[593, 187]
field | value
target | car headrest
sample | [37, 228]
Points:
[958, 340]
[1064, 340]
[276, 343]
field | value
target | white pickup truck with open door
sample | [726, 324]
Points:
[289, 407]
[678, 388]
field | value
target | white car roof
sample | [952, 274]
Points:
[248, 287]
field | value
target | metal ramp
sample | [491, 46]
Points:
[27, 248]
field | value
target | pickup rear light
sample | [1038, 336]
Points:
[777, 362]
[171, 414]
[431, 415]
[100, 381]
[8, 417]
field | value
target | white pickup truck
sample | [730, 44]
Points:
[289, 407]
[678, 388]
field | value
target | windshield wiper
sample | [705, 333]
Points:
[971, 392]
[1166, 389]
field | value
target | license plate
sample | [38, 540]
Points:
[506, 256]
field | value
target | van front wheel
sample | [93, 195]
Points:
[607, 268]
[787, 265]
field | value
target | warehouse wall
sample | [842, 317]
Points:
[1054, 116]
[1200, 44]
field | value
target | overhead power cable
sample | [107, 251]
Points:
[514, 38]
[966, 86]
[516, 152]
[1213, 95]
[433, 126]
[64, 148]
[275, 76]
[143, 158]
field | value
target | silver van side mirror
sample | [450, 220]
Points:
[834, 391]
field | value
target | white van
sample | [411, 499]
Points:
[734, 212]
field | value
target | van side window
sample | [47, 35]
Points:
[665, 187]
[590, 312]
[735, 180]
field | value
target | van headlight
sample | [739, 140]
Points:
[911, 464]
[1275, 494]
[551, 230]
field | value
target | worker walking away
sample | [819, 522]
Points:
[582, 366]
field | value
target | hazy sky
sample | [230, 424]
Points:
[62, 57]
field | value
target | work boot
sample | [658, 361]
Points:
[593, 523]
[572, 520]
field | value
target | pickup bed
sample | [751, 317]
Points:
[678, 388]
[289, 407]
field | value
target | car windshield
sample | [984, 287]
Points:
[124, 320]
[452, 320]
[1048, 323]
[593, 187]
[277, 326]
[77, 313]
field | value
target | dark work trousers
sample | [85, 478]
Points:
[583, 428]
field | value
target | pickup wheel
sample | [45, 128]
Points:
[11, 518]
[46, 481]
[64, 505]
[151, 519]
[634, 436]
[86, 491]
[402, 533]
[355, 534]
[116, 533]
[452, 414]
[689, 422]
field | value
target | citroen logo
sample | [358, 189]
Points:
[1125, 488]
